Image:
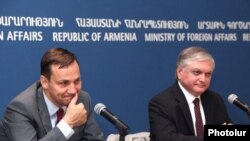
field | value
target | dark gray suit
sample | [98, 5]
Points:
[27, 119]
[3, 136]
[170, 117]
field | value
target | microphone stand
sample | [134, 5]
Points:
[122, 138]
[123, 131]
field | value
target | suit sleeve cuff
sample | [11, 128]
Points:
[65, 129]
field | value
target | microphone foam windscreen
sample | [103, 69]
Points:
[98, 108]
[231, 98]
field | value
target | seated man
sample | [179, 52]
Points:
[179, 112]
[32, 115]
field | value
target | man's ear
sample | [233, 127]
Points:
[44, 81]
[178, 72]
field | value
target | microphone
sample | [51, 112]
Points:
[233, 99]
[101, 109]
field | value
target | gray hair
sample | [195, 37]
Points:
[193, 54]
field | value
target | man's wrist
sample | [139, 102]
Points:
[65, 128]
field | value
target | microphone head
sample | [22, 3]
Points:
[231, 98]
[99, 107]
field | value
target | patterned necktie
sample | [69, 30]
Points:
[198, 119]
[59, 114]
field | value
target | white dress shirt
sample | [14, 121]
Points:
[190, 98]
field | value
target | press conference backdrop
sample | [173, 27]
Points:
[127, 49]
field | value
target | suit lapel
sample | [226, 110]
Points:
[184, 108]
[208, 108]
[188, 118]
[43, 111]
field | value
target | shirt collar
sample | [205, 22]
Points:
[52, 108]
[189, 97]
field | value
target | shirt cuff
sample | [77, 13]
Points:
[65, 129]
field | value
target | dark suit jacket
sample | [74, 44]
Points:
[3, 136]
[170, 117]
[27, 119]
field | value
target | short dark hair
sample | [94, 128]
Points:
[56, 56]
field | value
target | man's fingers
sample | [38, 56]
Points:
[73, 100]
